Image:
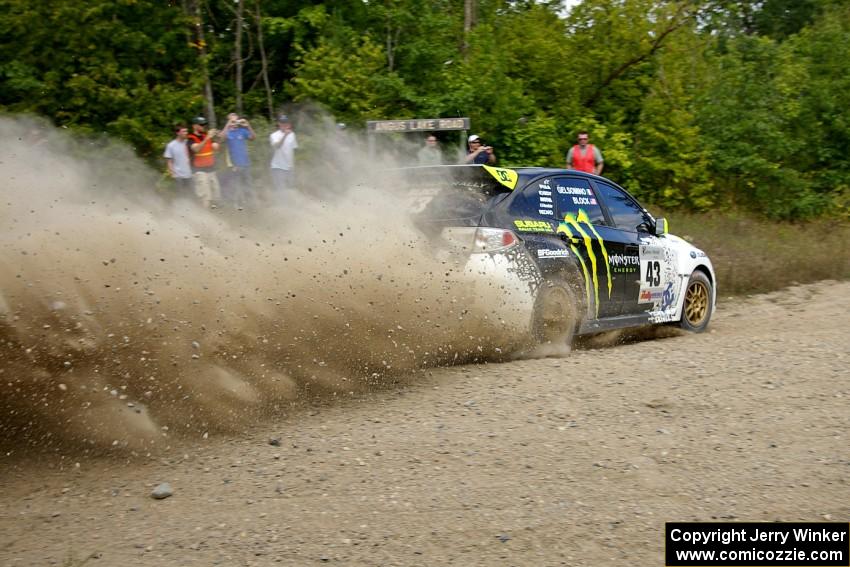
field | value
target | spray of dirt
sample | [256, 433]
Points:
[127, 318]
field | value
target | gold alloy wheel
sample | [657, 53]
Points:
[696, 303]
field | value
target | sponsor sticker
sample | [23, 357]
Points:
[667, 297]
[623, 263]
[651, 253]
[506, 177]
[532, 226]
[650, 296]
[579, 227]
[623, 260]
[584, 200]
[572, 190]
[549, 253]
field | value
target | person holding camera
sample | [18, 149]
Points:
[478, 152]
[203, 147]
[237, 133]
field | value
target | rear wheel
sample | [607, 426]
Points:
[554, 314]
[696, 311]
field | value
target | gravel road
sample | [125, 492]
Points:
[559, 461]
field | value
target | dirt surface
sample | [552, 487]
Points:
[559, 461]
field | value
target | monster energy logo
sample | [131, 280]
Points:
[578, 226]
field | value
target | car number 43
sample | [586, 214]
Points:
[652, 275]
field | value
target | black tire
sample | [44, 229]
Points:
[555, 314]
[698, 303]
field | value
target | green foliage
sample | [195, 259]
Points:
[763, 140]
[672, 163]
[350, 81]
[824, 111]
[91, 65]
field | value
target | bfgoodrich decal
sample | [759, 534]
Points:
[548, 253]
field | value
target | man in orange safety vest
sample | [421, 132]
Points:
[584, 156]
[203, 147]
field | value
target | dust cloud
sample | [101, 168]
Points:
[128, 317]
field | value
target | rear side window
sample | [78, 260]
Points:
[626, 213]
[573, 195]
[536, 200]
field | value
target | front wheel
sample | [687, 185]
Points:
[554, 314]
[696, 311]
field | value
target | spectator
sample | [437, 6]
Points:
[238, 132]
[584, 156]
[179, 163]
[478, 152]
[203, 147]
[283, 144]
[430, 153]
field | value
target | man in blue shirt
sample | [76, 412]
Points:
[237, 133]
[478, 152]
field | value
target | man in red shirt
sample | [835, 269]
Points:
[584, 156]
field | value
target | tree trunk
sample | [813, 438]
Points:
[264, 60]
[238, 55]
[201, 44]
[468, 23]
[389, 46]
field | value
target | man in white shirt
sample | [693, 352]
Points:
[177, 156]
[284, 144]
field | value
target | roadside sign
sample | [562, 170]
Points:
[417, 125]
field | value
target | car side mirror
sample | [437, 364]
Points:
[660, 227]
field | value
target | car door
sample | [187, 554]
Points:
[583, 225]
[647, 268]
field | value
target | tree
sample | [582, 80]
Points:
[350, 81]
[672, 164]
[117, 67]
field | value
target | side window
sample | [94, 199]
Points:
[626, 213]
[573, 195]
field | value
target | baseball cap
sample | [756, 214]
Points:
[283, 118]
[199, 120]
[473, 138]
